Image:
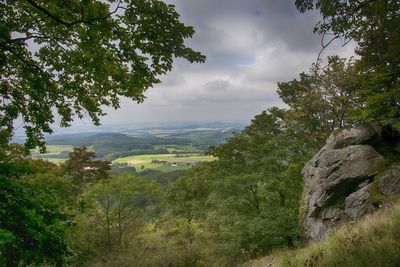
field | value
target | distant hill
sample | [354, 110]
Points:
[112, 145]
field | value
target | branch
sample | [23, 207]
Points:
[69, 24]
[20, 58]
[23, 39]
[324, 46]
[45, 11]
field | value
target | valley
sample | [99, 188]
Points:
[155, 148]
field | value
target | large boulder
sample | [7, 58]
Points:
[370, 135]
[339, 180]
[389, 181]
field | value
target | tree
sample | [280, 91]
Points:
[118, 204]
[31, 219]
[81, 168]
[375, 27]
[75, 57]
[321, 101]
[256, 183]
[247, 199]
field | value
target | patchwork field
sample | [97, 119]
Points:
[55, 153]
[186, 157]
[152, 149]
[55, 160]
[163, 162]
[55, 149]
[179, 148]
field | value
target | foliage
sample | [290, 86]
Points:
[168, 241]
[76, 57]
[30, 224]
[241, 204]
[322, 100]
[120, 168]
[81, 169]
[117, 206]
[375, 27]
[248, 198]
[31, 219]
[162, 178]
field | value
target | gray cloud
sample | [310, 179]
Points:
[217, 85]
[250, 46]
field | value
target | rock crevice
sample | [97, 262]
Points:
[339, 180]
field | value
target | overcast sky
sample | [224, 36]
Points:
[250, 45]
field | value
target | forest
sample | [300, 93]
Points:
[225, 212]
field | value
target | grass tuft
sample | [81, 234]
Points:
[373, 241]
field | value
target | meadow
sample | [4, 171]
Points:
[55, 150]
[176, 149]
[180, 158]
[163, 162]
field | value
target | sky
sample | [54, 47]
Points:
[250, 46]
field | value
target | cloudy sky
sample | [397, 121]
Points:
[250, 45]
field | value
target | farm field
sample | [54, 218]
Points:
[179, 148]
[56, 153]
[55, 160]
[153, 149]
[187, 156]
[54, 150]
[163, 162]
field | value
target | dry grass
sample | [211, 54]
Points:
[372, 242]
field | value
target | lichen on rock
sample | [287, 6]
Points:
[338, 180]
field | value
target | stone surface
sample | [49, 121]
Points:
[347, 176]
[357, 204]
[337, 181]
[389, 181]
[356, 136]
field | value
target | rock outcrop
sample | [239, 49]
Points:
[348, 178]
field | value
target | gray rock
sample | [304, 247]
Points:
[389, 181]
[332, 182]
[356, 136]
[358, 203]
[335, 173]
[339, 179]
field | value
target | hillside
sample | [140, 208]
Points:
[148, 141]
[373, 241]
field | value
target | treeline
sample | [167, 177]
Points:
[110, 146]
[221, 213]
[218, 214]
[248, 200]
[240, 206]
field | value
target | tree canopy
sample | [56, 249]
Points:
[375, 27]
[322, 100]
[75, 57]
[31, 218]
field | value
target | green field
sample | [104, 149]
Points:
[187, 156]
[54, 150]
[55, 160]
[57, 149]
[179, 148]
[169, 162]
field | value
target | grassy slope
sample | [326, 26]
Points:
[372, 242]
